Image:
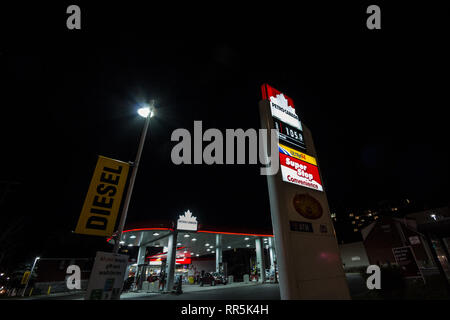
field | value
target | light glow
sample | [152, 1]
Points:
[145, 112]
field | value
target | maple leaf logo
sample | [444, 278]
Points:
[188, 216]
[281, 100]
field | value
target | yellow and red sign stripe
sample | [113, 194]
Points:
[296, 154]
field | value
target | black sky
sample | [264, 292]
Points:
[374, 100]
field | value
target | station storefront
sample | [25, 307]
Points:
[189, 253]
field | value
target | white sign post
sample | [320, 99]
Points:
[106, 280]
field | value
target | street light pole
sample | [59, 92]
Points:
[31, 274]
[123, 217]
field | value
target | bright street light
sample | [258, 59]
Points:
[146, 112]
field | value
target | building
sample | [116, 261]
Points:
[386, 233]
[348, 223]
[434, 225]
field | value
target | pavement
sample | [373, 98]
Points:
[233, 291]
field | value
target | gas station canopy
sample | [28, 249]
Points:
[196, 243]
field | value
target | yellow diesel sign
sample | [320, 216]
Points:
[25, 277]
[102, 203]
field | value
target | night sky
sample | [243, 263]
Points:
[374, 100]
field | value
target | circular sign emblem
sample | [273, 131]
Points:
[307, 206]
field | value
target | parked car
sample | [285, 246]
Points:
[213, 278]
[219, 278]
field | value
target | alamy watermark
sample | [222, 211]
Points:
[215, 153]
[374, 280]
[73, 281]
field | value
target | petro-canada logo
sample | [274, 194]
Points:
[281, 105]
[187, 222]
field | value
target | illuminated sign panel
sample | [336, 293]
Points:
[300, 172]
[296, 154]
[285, 119]
[187, 222]
[299, 168]
[102, 203]
[296, 166]
[158, 261]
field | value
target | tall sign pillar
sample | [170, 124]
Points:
[308, 256]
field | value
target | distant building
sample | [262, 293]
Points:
[348, 225]
[435, 225]
[349, 222]
[386, 233]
